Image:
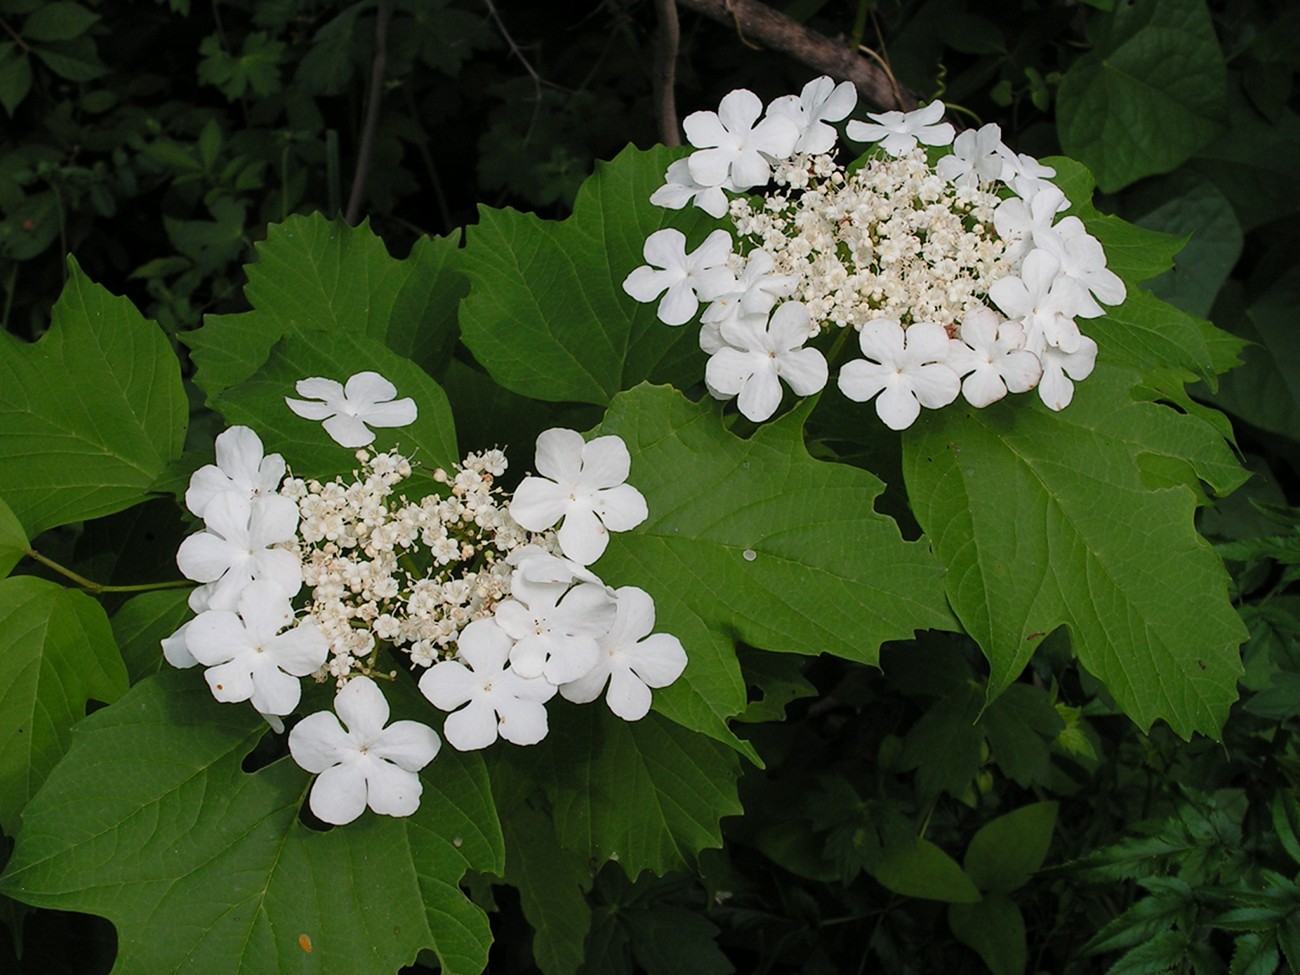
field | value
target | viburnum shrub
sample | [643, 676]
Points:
[365, 575]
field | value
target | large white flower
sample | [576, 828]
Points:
[1062, 369]
[977, 157]
[248, 657]
[908, 369]
[240, 467]
[760, 352]
[1026, 176]
[993, 358]
[631, 661]
[899, 132]
[364, 764]
[733, 149]
[681, 188]
[1017, 220]
[350, 411]
[821, 101]
[497, 701]
[238, 547]
[1044, 300]
[583, 483]
[555, 628]
[757, 290]
[1082, 259]
[683, 279]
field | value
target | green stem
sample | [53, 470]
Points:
[99, 587]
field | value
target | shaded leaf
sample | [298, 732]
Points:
[924, 870]
[995, 928]
[1005, 852]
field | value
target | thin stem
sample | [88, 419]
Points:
[11, 285]
[98, 587]
[15, 35]
[372, 113]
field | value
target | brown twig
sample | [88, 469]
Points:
[364, 153]
[665, 72]
[757, 22]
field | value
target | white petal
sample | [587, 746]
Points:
[739, 110]
[310, 410]
[605, 463]
[230, 682]
[538, 503]
[215, 637]
[366, 388]
[804, 370]
[627, 696]
[398, 413]
[646, 284]
[348, 431]
[524, 723]
[175, 651]
[274, 692]
[861, 379]
[323, 389]
[983, 387]
[559, 455]
[300, 651]
[935, 385]
[409, 745]
[582, 537]
[621, 508]
[449, 684]
[679, 304]
[339, 794]
[472, 727]
[203, 557]
[392, 791]
[362, 707]
[659, 659]
[761, 394]
[897, 407]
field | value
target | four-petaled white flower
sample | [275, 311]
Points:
[1082, 259]
[760, 352]
[239, 547]
[1044, 300]
[821, 101]
[899, 132]
[364, 764]
[248, 658]
[993, 358]
[1026, 175]
[497, 701]
[1056, 389]
[583, 483]
[732, 149]
[757, 290]
[908, 369]
[350, 411]
[555, 627]
[683, 279]
[240, 467]
[977, 157]
[631, 661]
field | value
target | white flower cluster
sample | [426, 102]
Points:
[960, 277]
[480, 595]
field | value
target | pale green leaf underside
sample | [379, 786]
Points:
[58, 654]
[316, 274]
[1084, 518]
[754, 540]
[546, 313]
[90, 414]
[204, 868]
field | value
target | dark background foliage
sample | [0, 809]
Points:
[156, 141]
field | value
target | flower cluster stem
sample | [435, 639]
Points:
[99, 588]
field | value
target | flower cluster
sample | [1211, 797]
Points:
[960, 277]
[487, 600]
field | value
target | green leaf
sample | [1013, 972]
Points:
[546, 313]
[58, 21]
[552, 881]
[1005, 852]
[1255, 165]
[1265, 391]
[1020, 724]
[1151, 92]
[315, 274]
[140, 625]
[944, 745]
[310, 451]
[1190, 204]
[995, 929]
[13, 540]
[151, 822]
[924, 870]
[1254, 954]
[647, 793]
[90, 414]
[669, 940]
[1144, 596]
[15, 76]
[730, 552]
[58, 655]
[1161, 953]
[74, 60]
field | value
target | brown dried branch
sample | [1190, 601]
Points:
[665, 72]
[758, 24]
